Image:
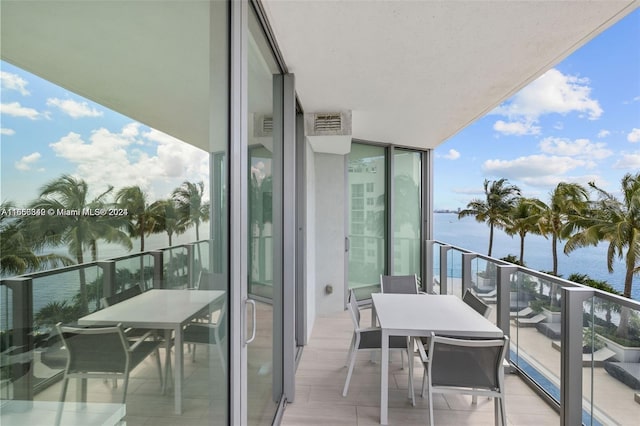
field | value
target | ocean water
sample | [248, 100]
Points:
[472, 235]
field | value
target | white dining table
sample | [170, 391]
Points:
[420, 315]
[160, 309]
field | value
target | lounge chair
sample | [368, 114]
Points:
[530, 322]
[598, 357]
[523, 313]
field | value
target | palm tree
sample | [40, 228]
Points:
[164, 215]
[134, 200]
[522, 222]
[500, 197]
[19, 253]
[79, 232]
[616, 222]
[568, 200]
[192, 210]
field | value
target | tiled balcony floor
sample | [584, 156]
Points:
[321, 374]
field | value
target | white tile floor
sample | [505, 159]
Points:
[321, 374]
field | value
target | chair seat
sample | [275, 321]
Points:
[143, 350]
[199, 333]
[372, 339]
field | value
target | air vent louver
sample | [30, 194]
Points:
[327, 123]
[267, 125]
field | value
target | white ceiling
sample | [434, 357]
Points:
[412, 72]
[416, 72]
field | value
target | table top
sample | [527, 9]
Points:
[419, 315]
[160, 309]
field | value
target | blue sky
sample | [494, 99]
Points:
[579, 122]
[47, 131]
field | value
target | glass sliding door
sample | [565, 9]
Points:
[264, 281]
[407, 211]
[129, 176]
[367, 218]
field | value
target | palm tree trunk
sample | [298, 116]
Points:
[198, 243]
[490, 239]
[554, 252]
[522, 249]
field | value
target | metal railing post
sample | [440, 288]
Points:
[108, 277]
[503, 303]
[571, 354]
[466, 270]
[444, 284]
[22, 292]
[427, 286]
[190, 264]
[158, 268]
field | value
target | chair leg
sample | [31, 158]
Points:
[352, 363]
[430, 407]
[503, 411]
[125, 385]
[193, 353]
[411, 389]
[159, 364]
[63, 395]
[424, 382]
[351, 348]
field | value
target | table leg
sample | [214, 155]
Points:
[384, 377]
[167, 362]
[178, 370]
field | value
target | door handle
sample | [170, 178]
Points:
[253, 320]
[346, 244]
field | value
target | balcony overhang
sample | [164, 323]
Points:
[413, 72]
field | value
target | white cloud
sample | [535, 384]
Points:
[13, 82]
[634, 136]
[553, 92]
[518, 128]
[74, 109]
[119, 160]
[14, 109]
[452, 154]
[581, 148]
[27, 161]
[7, 132]
[628, 161]
[603, 133]
[532, 165]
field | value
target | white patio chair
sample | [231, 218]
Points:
[102, 352]
[371, 339]
[471, 299]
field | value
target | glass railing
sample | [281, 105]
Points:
[32, 304]
[591, 371]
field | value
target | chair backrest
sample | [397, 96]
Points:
[467, 363]
[354, 309]
[122, 296]
[404, 284]
[476, 303]
[95, 349]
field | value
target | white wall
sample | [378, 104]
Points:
[329, 232]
